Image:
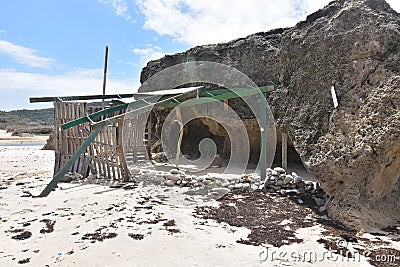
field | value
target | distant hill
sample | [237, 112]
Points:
[37, 121]
[25, 120]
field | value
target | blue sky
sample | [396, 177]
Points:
[54, 48]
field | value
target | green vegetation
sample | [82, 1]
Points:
[38, 121]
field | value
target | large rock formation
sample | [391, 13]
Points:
[353, 150]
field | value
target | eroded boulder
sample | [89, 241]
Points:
[353, 150]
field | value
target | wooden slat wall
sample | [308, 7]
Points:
[67, 142]
[103, 158]
[134, 136]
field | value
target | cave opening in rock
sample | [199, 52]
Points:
[200, 128]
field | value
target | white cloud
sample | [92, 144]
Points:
[120, 8]
[1, 30]
[148, 53]
[24, 55]
[395, 4]
[81, 81]
[14, 83]
[209, 21]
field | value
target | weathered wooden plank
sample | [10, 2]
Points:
[124, 168]
[112, 157]
[178, 147]
[75, 98]
[149, 134]
[103, 152]
[108, 151]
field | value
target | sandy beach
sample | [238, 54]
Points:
[87, 223]
[21, 157]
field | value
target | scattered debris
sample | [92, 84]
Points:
[26, 194]
[150, 221]
[299, 200]
[262, 212]
[98, 235]
[349, 238]
[129, 186]
[160, 157]
[27, 260]
[49, 226]
[169, 223]
[277, 180]
[173, 230]
[69, 177]
[22, 236]
[117, 185]
[17, 230]
[136, 236]
[336, 247]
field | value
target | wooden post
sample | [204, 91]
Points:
[263, 137]
[178, 148]
[226, 104]
[149, 126]
[284, 151]
[122, 159]
[104, 76]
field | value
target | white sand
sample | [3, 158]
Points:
[79, 209]
[8, 139]
[21, 157]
